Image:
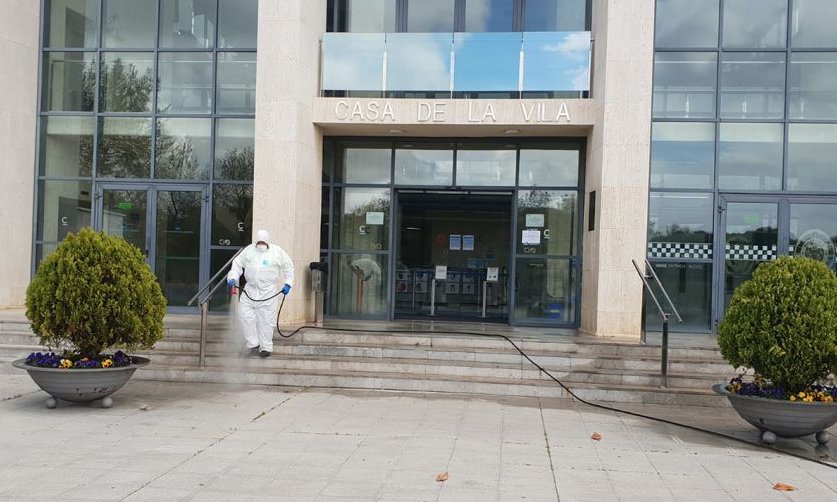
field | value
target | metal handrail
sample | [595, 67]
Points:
[649, 273]
[209, 282]
[204, 305]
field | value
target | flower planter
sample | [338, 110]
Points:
[777, 417]
[81, 385]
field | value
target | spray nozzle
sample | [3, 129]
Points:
[233, 290]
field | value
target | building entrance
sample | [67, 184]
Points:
[756, 229]
[167, 223]
[468, 233]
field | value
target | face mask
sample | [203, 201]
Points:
[261, 247]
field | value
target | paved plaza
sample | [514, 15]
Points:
[166, 441]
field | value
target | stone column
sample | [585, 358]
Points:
[618, 166]
[19, 29]
[288, 157]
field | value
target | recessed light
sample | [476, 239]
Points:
[396, 131]
[512, 131]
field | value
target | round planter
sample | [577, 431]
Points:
[789, 419]
[81, 385]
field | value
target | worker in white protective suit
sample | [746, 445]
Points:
[263, 264]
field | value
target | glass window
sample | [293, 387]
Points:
[218, 258]
[682, 155]
[185, 82]
[234, 149]
[236, 82]
[418, 61]
[430, 16]
[232, 215]
[813, 23]
[489, 15]
[813, 232]
[812, 92]
[363, 218]
[183, 150]
[187, 25]
[69, 81]
[750, 156]
[65, 208]
[812, 149]
[755, 24]
[545, 289]
[687, 23]
[71, 23]
[547, 222]
[556, 61]
[549, 167]
[44, 250]
[555, 15]
[679, 218]
[125, 147]
[238, 22]
[370, 16]
[424, 165]
[486, 166]
[353, 62]
[365, 165]
[325, 217]
[126, 81]
[684, 84]
[130, 24]
[67, 146]
[753, 85]
[689, 285]
[359, 285]
[472, 50]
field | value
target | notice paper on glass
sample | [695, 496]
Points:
[467, 243]
[531, 237]
[491, 274]
[455, 242]
[441, 272]
[375, 218]
[534, 220]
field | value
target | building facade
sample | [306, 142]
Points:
[499, 160]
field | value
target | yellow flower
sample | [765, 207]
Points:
[107, 363]
[66, 363]
[793, 398]
[802, 394]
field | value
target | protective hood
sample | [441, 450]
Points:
[262, 236]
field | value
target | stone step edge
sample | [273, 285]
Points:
[544, 382]
[526, 366]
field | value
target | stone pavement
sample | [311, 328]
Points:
[217, 442]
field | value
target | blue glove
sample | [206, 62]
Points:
[230, 283]
[286, 290]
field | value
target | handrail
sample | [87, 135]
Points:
[209, 282]
[649, 273]
[204, 305]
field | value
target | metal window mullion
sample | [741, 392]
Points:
[786, 128]
[154, 100]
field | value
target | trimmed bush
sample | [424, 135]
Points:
[783, 323]
[95, 292]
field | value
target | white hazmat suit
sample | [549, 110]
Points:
[262, 267]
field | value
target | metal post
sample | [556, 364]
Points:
[433, 298]
[484, 296]
[204, 323]
[414, 289]
[664, 358]
[643, 328]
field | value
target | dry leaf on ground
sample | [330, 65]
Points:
[442, 476]
[782, 487]
[596, 436]
[144, 407]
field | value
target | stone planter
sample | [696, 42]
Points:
[81, 385]
[789, 419]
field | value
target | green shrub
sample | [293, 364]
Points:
[95, 292]
[783, 323]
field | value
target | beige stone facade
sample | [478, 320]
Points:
[292, 120]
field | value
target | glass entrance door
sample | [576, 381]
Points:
[167, 224]
[757, 229]
[466, 232]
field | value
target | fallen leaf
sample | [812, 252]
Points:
[782, 487]
[144, 407]
[596, 436]
[442, 476]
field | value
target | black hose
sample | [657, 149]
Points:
[547, 373]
